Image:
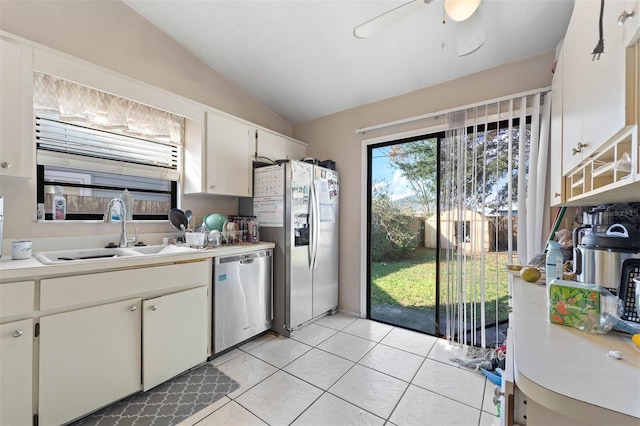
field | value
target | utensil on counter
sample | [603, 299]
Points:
[177, 219]
[188, 214]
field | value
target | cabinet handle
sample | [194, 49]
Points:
[510, 309]
[16, 333]
[624, 15]
[5, 165]
[133, 308]
[497, 394]
[578, 148]
[557, 194]
[154, 308]
[213, 187]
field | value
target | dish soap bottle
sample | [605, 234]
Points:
[59, 205]
[554, 262]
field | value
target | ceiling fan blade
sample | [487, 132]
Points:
[470, 35]
[389, 18]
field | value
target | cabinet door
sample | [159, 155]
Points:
[229, 151]
[594, 90]
[505, 393]
[174, 334]
[556, 180]
[88, 358]
[632, 25]
[16, 110]
[271, 146]
[296, 151]
[16, 365]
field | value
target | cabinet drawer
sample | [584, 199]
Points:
[16, 298]
[81, 289]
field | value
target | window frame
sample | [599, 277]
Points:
[41, 183]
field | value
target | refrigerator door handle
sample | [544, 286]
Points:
[315, 222]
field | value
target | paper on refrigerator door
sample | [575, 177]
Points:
[326, 213]
[269, 211]
[268, 181]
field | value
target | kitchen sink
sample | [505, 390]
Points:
[162, 249]
[101, 254]
[65, 256]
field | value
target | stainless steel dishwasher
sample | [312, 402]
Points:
[242, 297]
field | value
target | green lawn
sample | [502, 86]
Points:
[411, 283]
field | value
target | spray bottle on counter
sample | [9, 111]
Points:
[254, 230]
[554, 262]
[59, 205]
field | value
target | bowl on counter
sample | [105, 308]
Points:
[214, 221]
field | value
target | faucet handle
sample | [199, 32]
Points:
[135, 237]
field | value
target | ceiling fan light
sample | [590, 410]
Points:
[459, 10]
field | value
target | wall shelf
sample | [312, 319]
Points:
[613, 167]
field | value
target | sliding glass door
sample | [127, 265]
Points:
[442, 224]
[403, 267]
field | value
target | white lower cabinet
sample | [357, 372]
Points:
[174, 334]
[16, 372]
[88, 358]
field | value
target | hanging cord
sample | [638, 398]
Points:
[599, 49]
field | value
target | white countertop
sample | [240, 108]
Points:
[568, 370]
[29, 269]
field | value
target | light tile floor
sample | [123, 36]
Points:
[342, 370]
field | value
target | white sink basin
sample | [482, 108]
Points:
[65, 256]
[102, 254]
[162, 249]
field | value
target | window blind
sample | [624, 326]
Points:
[71, 145]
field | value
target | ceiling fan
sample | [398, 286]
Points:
[469, 26]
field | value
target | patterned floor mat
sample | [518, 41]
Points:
[167, 404]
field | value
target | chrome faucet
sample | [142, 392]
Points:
[124, 241]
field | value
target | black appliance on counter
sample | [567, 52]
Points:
[609, 236]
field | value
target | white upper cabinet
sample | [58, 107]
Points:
[16, 110]
[276, 147]
[218, 156]
[270, 145]
[555, 143]
[632, 25]
[296, 150]
[593, 89]
[229, 149]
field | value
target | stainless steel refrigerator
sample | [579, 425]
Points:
[296, 204]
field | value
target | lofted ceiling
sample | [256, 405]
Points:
[300, 58]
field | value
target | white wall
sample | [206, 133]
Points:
[333, 137]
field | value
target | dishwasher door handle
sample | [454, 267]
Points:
[246, 261]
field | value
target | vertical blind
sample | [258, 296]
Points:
[490, 183]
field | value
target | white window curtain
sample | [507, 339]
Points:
[73, 103]
[493, 186]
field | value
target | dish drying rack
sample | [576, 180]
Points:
[233, 237]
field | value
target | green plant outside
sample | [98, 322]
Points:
[411, 283]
